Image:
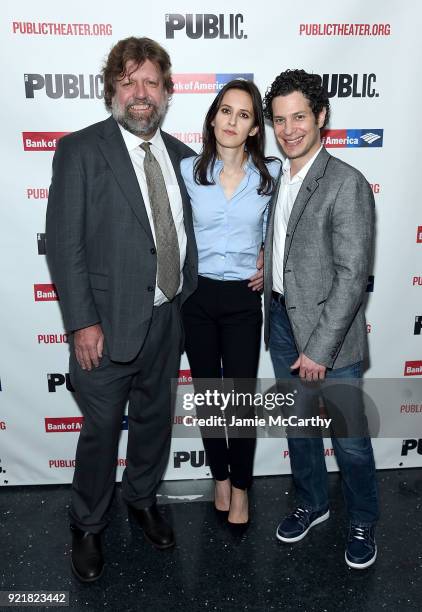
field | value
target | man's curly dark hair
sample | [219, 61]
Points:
[310, 85]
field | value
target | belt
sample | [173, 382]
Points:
[279, 297]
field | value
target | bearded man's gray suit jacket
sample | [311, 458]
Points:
[101, 250]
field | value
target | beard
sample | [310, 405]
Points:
[141, 124]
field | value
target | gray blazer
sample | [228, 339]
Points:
[100, 247]
[327, 259]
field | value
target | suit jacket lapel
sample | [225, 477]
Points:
[307, 189]
[269, 237]
[115, 152]
[272, 206]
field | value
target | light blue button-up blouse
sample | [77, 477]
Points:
[229, 233]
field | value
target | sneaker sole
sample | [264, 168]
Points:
[317, 521]
[361, 565]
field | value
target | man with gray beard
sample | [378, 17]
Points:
[123, 258]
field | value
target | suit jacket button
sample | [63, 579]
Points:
[153, 251]
[150, 288]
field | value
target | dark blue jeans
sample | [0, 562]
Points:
[354, 454]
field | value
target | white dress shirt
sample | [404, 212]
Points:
[137, 155]
[289, 188]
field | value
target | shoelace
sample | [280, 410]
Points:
[358, 533]
[300, 513]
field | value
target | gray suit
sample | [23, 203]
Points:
[327, 259]
[103, 261]
[326, 262]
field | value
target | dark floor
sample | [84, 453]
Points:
[211, 568]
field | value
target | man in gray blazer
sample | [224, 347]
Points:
[123, 257]
[317, 258]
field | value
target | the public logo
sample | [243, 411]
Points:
[52, 338]
[57, 380]
[68, 86]
[206, 25]
[411, 444]
[195, 458]
[350, 85]
[352, 138]
[37, 193]
[410, 408]
[419, 234]
[62, 463]
[45, 292]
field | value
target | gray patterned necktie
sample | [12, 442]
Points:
[168, 256]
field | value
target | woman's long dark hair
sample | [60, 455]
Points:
[254, 145]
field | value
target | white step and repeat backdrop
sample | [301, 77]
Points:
[369, 54]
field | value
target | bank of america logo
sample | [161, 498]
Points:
[370, 137]
[352, 138]
[206, 83]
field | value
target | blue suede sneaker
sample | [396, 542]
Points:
[295, 526]
[361, 550]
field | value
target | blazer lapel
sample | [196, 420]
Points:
[272, 206]
[115, 152]
[308, 188]
[269, 237]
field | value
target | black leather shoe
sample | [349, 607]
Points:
[156, 529]
[87, 558]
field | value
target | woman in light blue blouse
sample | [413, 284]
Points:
[230, 184]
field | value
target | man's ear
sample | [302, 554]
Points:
[321, 117]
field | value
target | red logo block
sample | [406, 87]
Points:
[334, 138]
[41, 141]
[419, 234]
[413, 368]
[63, 424]
[45, 293]
[185, 377]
